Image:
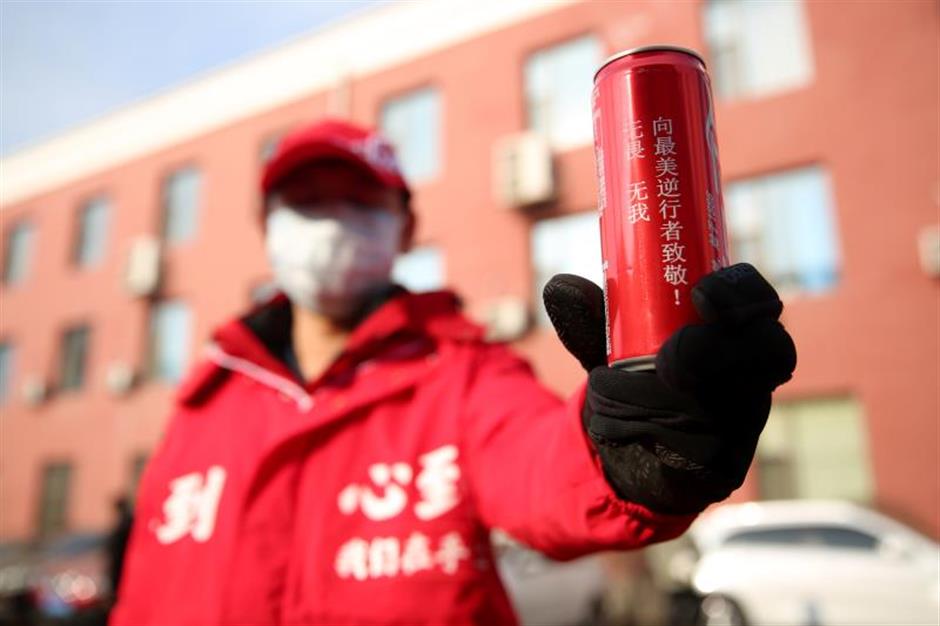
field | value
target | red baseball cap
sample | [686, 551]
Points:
[335, 139]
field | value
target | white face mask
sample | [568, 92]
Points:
[328, 258]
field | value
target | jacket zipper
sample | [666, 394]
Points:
[298, 394]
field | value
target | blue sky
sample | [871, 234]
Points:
[65, 63]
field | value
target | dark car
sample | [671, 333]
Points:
[69, 579]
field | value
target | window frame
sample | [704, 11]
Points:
[539, 316]
[137, 465]
[261, 291]
[441, 258]
[14, 229]
[151, 367]
[784, 444]
[789, 292]
[743, 89]
[47, 506]
[63, 382]
[79, 236]
[440, 130]
[165, 209]
[7, 369]
[271, 138]
[542, 47]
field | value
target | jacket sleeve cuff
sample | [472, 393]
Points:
[646, 526]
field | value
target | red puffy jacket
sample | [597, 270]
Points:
[366, 496]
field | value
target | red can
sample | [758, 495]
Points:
[661, 214]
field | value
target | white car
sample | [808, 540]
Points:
[811, 562]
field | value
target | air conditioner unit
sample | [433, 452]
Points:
[522, 170]
[35, 390]
[928, 244]
[143, 274]
[120, 378]
[506, 319]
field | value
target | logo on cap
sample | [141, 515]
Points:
[375, 150]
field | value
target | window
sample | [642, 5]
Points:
[558, 84]
[412, 123]
[838, 537]
[53, 499]
[784, 224]
[815, 449]
[169, 340]
[569, 244]
[262, 291]
[18, 253]
[269, 147]
[6, 369]
[181, 191]
[92, 233]
[138, 464]
[757, 47]
[421, 269]
[73, 355]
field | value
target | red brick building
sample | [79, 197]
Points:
[829, 146]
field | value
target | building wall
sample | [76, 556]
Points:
[869, 116]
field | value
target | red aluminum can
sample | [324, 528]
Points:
[661, 214]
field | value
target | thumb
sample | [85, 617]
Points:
[575, 306]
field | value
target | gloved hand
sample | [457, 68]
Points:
[677, 439]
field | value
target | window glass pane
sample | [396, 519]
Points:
[53, 499]
[92, 232]
[169, 340]
[784, 224]
[757, 47]
[18, 253]
[73, 356]
[412, 123]
[181, 191]
[815, 449]
[421, 269]
[558, 84]
[6, 369]
[569, 244]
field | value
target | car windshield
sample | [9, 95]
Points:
[820, 536]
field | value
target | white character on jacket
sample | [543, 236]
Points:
[191, 506]
[437, 482]
[391, 478]
[387, 497]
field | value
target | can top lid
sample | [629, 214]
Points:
[650, 48]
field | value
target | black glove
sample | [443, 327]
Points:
[677, 439]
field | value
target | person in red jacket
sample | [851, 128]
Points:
[343, 451]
